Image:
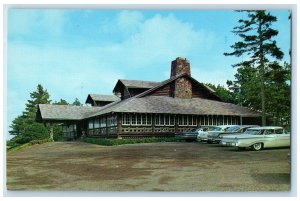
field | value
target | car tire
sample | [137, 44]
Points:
[209, 142]
[257, 146]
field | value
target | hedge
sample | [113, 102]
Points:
[113, 142]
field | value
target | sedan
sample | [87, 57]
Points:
[188, 136]
[202, 135]
[215, 133]
[233, 130]
[259, 138]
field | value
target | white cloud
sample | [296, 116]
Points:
[33, 22]
[129, 21]
[160, 39]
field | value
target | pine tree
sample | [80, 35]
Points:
[257, 43]
[76, 102]
[24, 127]
[61, 102]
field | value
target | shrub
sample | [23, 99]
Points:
[113, 142]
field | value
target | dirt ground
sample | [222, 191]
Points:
[171, 167]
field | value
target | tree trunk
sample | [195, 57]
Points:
[262, 74]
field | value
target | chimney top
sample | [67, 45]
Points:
[179, 66]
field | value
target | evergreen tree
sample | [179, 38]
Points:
[257, 43]
[76, 102]
[223, 93]
[61, 102]
[24, 127]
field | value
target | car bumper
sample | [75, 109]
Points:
[229, 144]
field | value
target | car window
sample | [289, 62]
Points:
[233, 129]
[268, 131]
[254, 131]
[279, 131]
[217, 129]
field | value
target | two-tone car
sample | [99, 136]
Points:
[258, 138]
[220, 129]
[202, 135]
[232, 130]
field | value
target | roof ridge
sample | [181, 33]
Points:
[161, 84]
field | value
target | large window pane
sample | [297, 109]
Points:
[91, 124]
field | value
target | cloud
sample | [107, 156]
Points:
[129, 21]
[160, 39]
[35, 23]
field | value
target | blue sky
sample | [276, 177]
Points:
[76, 52]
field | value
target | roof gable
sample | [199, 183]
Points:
[199, 90]
[99, 97]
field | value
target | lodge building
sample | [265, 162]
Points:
[148, 109]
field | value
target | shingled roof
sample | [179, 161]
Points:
[64, 112]
[139, 83]
[169, 105]
[107, 98]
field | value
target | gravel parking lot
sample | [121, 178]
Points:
[172, 167]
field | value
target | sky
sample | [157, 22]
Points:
[73, 53]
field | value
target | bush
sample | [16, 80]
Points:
[113, 142]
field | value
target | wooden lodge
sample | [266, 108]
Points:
[148, 109]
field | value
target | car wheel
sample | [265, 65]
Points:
[209, 142]
[257, 146]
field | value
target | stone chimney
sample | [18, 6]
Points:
[180, 65]
[183, 86]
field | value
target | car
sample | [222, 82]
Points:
[217, 131]
[188, 136]
[258, 138]
[232, 130]
[203, 135]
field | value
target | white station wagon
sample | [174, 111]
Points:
[258, 138]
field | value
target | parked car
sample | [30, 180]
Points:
[258, 138]
[202, 135]
[233, 130]
[216, 132]
[188, 136]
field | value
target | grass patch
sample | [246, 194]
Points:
[33, 142]
[113, 142]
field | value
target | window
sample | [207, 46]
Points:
[138, 119]
[279, 131]
[109, 121]
[194, 120]
[157, 119]
[126, 119]
[96, 123]
[103, 122]
[180, 120]
[185, 120]
[65, 128]
[167, 120]
[149, 119]
[190, 120]
[91, 124]
[162, 119]
[144, 119]
[172, 120]
[133, 119]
